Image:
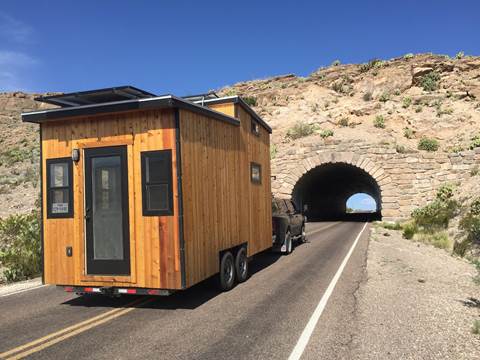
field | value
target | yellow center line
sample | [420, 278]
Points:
[70, 331]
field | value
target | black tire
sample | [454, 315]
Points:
[241, 265]
[227, 271]
[303, 237]
[288, 243]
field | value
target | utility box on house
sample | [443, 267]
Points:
[145, 193]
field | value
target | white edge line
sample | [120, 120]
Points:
[23, 290]
[302, 342]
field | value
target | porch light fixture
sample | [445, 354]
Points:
[75, 155]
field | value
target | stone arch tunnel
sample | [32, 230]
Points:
[325, 189]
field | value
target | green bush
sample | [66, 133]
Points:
[15, 154]
[20, 249]
[409, 230]
[407, 101]
[326, 133]
[438, 239]
[430, 81]
[436, 215]
[379, 122]
[250, 100]
[273, 151]
[392, 225]
[408, 133]
[428, 144]
[384, 97]
[336, 63]
[301, 129]
[475, 142]
[470, 223]
[408, 56]
[343, 122]
[459, 55]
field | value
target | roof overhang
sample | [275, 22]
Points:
[160, 102]
[238, 100]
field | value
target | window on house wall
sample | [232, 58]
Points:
[59, 188]
[255, 127]
[256, 173]
[157, 192]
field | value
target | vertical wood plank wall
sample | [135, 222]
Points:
[222, 207]
[155, 252]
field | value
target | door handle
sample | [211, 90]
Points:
[87, 214]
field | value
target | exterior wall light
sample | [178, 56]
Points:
[75, 155]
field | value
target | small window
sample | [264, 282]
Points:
[59, 188]
[255, 127]
[256, 173]
[157, 193]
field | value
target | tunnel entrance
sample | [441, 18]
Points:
[324, 190]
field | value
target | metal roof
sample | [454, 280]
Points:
[98, 96]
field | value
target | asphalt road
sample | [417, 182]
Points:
[263, 318]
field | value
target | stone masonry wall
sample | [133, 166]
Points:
[406, 180]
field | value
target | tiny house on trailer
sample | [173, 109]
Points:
[146, 194]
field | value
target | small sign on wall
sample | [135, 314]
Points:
[60, 208]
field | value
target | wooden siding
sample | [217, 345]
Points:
[154, 240]
[222, 207]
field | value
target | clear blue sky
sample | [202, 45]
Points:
[361, 201]
[185, 47]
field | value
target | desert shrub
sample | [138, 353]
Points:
[408, 56]
[408, 133]
[418, 109]
[336, 63]
[437, 214]
[430, 81]
[409, 230]
[379, 122]
[372, 64]
[20, 251]
[250, 100]
[407, 101]
[301, 129]
[476, 327]
[367, 96]
[459, 55]
[391, 225]
[470, 222]
[475, 142]
[14, 155]
[401, 149]
[326, 133]
[343, 85]
[438, 239]
[384, 97]
[273, 151]
[343, 122]
[475, 171]
[428, 144]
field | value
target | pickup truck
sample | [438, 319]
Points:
[288, 225]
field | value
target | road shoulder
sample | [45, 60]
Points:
[418, 302]
[15, 288]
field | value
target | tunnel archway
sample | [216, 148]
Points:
[323, 191]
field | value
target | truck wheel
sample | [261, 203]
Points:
[227, 271]
[288, 243]
[303, 238]
[241, 265]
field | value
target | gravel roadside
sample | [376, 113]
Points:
[417, 302]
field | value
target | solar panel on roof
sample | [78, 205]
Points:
[98, 96]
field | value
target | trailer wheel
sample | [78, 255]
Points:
[241, 265]
[227, 271]
[288, 243]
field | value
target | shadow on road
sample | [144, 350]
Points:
[185, 299]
